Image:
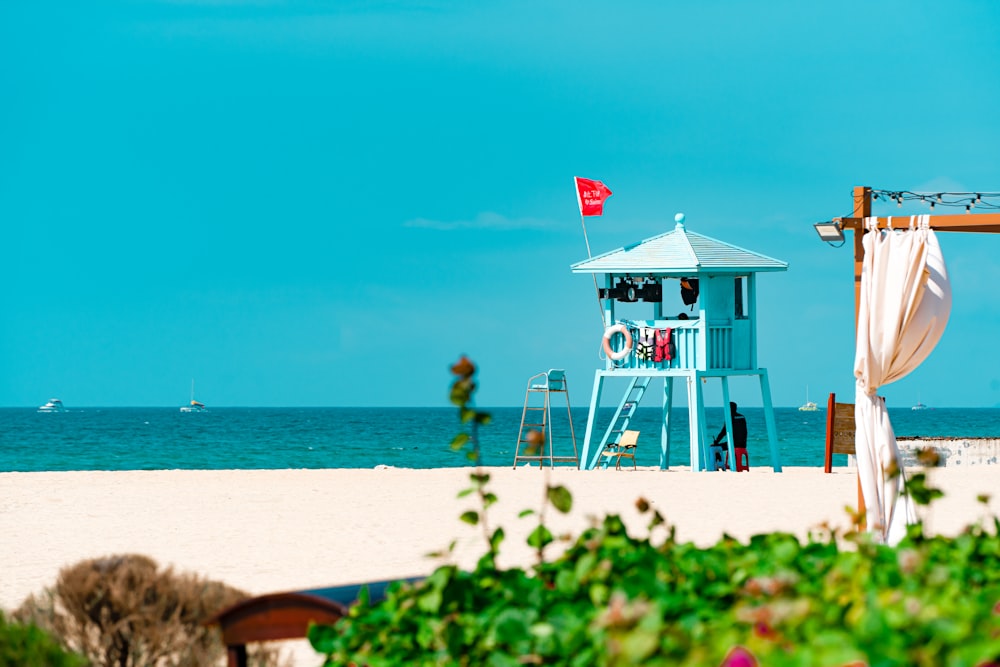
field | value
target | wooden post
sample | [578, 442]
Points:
[236, 655]
[831, 412]
[862, 209]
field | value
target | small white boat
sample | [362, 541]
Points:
[920, 406]
[808, 406]
[54, 405]
[193, 406]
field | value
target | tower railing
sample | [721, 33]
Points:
[720, 346]
[696, 345]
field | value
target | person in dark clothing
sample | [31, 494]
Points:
[739, 429]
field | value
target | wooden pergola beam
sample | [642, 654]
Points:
[983, 223]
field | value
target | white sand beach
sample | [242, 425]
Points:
[275, 530]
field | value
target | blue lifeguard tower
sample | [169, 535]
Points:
[717, 339]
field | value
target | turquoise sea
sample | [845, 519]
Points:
[246, 438]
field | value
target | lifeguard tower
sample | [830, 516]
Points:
[718, 338]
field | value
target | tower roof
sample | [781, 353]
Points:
[680, 252]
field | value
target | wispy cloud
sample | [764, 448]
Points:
[486, 220]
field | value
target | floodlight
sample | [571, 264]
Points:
[831, 232]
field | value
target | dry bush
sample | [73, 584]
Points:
[123, 611]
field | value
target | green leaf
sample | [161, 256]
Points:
[561, 498]
[540, 537]
[364, 595]
[497, 659]
[512, 625]
[638, 646]
[496, 539]
[524, 513]
[566, 581]
[459, 441]
[461, 393]
[470, 517]
[430, 600]
[921, 493]
[584, 564]
[322, 637]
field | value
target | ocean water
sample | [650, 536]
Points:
[247, 438]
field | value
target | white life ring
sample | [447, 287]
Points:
[611, 331]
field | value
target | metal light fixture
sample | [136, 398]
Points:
[831, 232]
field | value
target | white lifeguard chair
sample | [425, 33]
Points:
[537, 417]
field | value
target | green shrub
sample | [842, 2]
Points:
[614, 599]
[124, 611]
[27, 645]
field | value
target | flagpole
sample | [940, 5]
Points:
[597, 290]
[583, 223]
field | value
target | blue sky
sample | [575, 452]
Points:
[326, 203]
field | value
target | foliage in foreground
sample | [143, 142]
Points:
[27, 645]
[612, 599]
[124, 611]
[615, 599]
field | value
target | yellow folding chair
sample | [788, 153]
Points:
[624, 448]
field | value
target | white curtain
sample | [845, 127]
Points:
[905, 303]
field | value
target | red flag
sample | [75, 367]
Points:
[591, 195]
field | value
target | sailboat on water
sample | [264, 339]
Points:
[193, 406]
[808, 406]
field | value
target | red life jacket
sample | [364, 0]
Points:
[664, 345]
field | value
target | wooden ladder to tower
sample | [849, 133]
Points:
[537, 417]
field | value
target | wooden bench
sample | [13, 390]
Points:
[288, 615]
[839, 430]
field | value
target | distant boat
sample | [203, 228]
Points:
[193, 406]
[920, 406]
[809, 406]
[54, 405]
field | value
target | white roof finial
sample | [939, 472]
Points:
[679, 219]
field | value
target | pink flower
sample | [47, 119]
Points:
[763, 630]
[739, 657]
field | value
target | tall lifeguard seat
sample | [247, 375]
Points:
[702, 294]
[537, 416]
